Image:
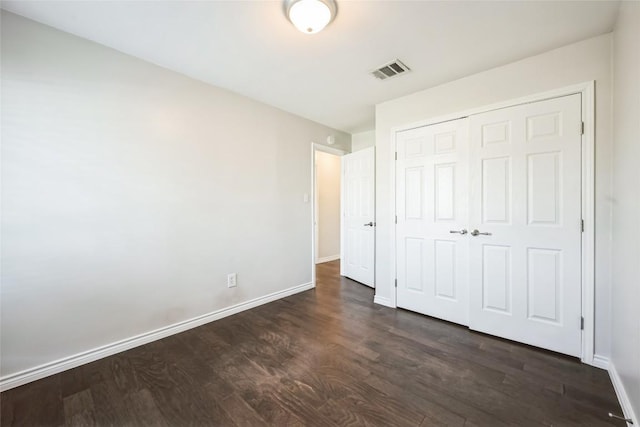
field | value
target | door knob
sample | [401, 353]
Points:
[370, 224]
[477, 233]
[463, 231]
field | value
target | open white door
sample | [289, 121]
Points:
[358, 187]
[432, 217]
[525, 203]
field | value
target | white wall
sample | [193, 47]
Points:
[363, 140]
[328, 181]
[576, 63]
[625, 351]
[130, 191]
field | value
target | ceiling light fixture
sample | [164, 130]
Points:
[310, 16]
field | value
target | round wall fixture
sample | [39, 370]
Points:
[310, 16]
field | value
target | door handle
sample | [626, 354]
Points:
[370, 224]
[463, 231]
[477, 233]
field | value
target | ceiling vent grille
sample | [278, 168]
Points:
[392, 69]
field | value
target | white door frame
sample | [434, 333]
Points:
[587, 90]
[315, 147]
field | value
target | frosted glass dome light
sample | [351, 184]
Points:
[310, 16]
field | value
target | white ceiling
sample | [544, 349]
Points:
[250, 48]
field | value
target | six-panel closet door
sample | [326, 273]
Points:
[525, 194]
[431, 240]
[488, 227]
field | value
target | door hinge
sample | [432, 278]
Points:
[582, 323]
[582, 129]
[396, 155]
[396, 283]
[396, 219]
[582, 225]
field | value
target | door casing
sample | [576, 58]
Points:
[587, 90]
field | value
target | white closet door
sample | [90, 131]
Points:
[358, 180]
[431, 206]
[525, 192]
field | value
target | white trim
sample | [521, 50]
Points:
[384, 301]
[328, 258]
[583, 88]
[342, 213]
[314, 202]
[392, 300]
[28, 375]
[623, 397]
[601, 362]
[331, 150]
[316, 211]
[588, 215]
[587, 90]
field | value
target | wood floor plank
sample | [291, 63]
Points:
[79, 409]
[270, 410]
[142, 404]
[240, 412]
[434, 413]
[110, 408]
[36, 404]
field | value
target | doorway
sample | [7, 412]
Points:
[326, 204]
[327, 207]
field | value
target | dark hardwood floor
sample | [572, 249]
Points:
[328, 356]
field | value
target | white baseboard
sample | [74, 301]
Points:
[601, 362]
[623, 397]
[383, 301]
[28, 375]
[327, 259]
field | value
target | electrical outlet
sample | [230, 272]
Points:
[232, 280]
